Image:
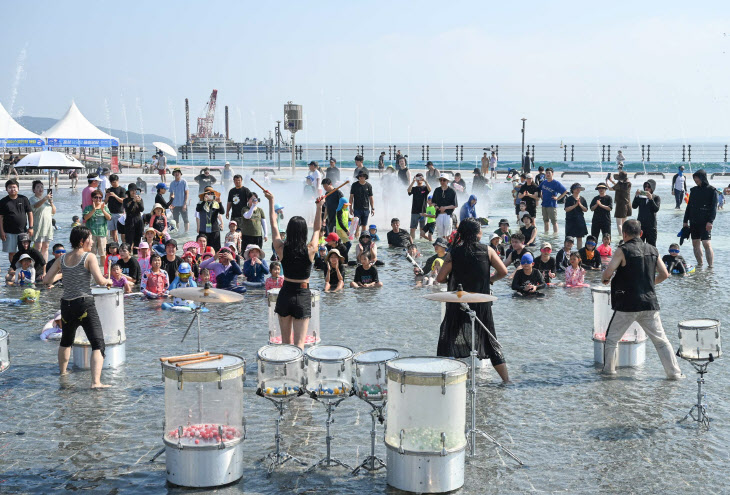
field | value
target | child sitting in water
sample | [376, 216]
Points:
[155, 282]
[119, 280]
[575, 274]
[143, 257]
[334, 277]
[275, 281]
[75, 221]
[527, 281]
[373, 229]
[189, 258]
[590, 258]
[255, 268]
[112, 256]
[25, 274]
[605, 248]
[562, 260]
[529, 230]
[204, 278]
[233, 236]
[320, 262]
[29, 297]
[366, 275]
[674, 261]
[545, 263]
[183, 279]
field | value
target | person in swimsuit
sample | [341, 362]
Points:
[294, 304]
[77, 302]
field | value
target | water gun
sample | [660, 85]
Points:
[413, 262]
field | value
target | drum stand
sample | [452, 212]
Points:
[702, 418]
[277, 458]
[196, 316]
[473, 430]
[329, 460]
[372, 462]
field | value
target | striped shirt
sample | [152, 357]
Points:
[76, 279]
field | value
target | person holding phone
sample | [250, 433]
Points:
[253, 223]
[43, 211]
[648, 205]
[133, 223]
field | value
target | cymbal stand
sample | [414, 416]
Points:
[196, 316]
[328, 460]
[373, 462]
[473, 430]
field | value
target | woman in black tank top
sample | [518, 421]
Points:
[468, 264]
[294, 304]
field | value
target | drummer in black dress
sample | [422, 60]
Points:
[575, 207]
[294, 304]
[468, 264]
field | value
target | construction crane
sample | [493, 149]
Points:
[205, 124]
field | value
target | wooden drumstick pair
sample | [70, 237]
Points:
[186, 359]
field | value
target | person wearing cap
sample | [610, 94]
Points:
[24, 247]
[133, 209]
[93, 180]
[331, 202]
[622, 199]
[601, 207]
[529, 193]
[552, 191]
[161, 189]
[238, 198]
[319, 258]
[334, 271]
[96, 217]
[333, 241]
[253, 223]
[575, 208]
[633, 272]
[359, 167]
[25, 273]
[332, 172]
[562, 259]
[204, 180]
[699, 216]
[432, 174]
[210, 210]
[104, 181]
[316, 177]
[527, 281]
[373, 231]
[309, 192]
[255, 267]
[171, 261]
[495, 242]
[545, 263]
[227, 176]
[179, 192]
[444, 198]
[233, 236]
[648, 205]
[440, 246]
[468, 266]
[361, 199]
[679, 187]
[503, 230]
[420, 191]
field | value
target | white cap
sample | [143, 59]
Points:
[24, 256]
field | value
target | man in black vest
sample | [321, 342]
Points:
[638, 268]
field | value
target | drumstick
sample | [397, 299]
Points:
[333, 190]
[200, 360]
[184, 357]
[262, 187]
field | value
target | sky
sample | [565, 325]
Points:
[416, 72]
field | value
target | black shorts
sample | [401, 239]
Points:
[294, 300]
[430, 228]
[81, 312]
[699, 232]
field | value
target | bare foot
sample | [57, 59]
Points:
[65, 373]
[100, 385]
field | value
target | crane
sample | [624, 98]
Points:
[205, 124]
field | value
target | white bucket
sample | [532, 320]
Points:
[110, 306]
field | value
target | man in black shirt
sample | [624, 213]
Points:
[114, 198]
[359, 167]
[238, 198]
[204, 179]
[330, 204]
[529, 193]
[14, 210]
[418, 207]
[171, 261]
[444, 199]
[361, 199]
[332, 173]
[398, 237]
[648, 205]
[601, 207]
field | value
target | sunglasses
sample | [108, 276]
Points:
[547, 250]
[96, 197]
[590, 243]
[674, 251]
[62, 251]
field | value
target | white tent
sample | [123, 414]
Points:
[14, 135]
[74, 130]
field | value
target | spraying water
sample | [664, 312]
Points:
[255, 139]
[19, 73]
[141, 128]
[171, 108]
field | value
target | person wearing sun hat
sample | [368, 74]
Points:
[601, 207]
[255, 267]
[334, 271]
[211, 210]
[333, 241]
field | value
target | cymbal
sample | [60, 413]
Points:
[207, 296]
[460, 297]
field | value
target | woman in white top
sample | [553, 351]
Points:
[43, 211]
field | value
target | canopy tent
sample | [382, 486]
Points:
[14, 135]
[74, 130]
[49, 160]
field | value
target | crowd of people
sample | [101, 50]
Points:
[136, 248]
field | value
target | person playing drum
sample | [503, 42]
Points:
[468, 264]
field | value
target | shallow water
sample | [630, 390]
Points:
[576, 432]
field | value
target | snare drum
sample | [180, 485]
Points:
[369, 378]
[329, 370]
[280, 370]
[699, 340]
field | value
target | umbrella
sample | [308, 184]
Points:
[166, 148]
[51, 160]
